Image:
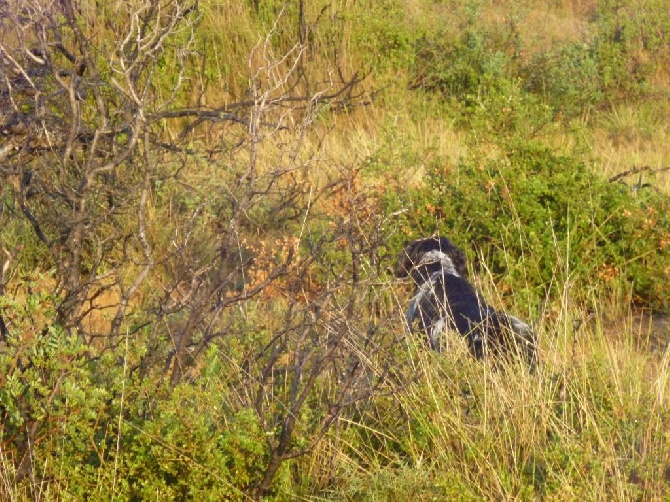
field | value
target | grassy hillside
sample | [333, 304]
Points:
[200, 206]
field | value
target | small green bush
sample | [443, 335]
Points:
[479, 64]
[479, 73]
[91, 425]
[567, 78]
[476, 61]
[630, 42]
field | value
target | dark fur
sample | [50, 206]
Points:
[444, 300]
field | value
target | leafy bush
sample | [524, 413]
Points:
[475, 61]
[567, 78]
[381, 36]
[630, 43]
[479, 73]
[540, 219]
[97, 428]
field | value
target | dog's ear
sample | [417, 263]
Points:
[459, 261]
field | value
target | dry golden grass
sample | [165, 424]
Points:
[591, 423]
[628, 136]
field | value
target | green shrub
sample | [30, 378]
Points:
[476, 61]
[87, 424]
[541, 220]
[480, 63]
[567, 78]
[630, 42]
[479, 74]
[192, 448]
[381, 36]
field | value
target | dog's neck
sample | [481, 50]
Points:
[433, 262]
[426, 273]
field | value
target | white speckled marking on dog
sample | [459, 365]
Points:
[437, 256]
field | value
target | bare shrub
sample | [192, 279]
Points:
[160, 218]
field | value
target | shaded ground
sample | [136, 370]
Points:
[650, 330]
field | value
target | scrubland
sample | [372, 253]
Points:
[201, 206]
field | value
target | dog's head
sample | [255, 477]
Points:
[431, 253]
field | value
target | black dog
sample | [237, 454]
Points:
[445, 300]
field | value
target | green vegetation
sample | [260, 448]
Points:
[540, 220]
[200, 203]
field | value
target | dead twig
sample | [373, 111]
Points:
[637, 170]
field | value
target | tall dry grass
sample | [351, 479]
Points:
[591, 423]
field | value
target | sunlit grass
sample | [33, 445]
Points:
[593, 415]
